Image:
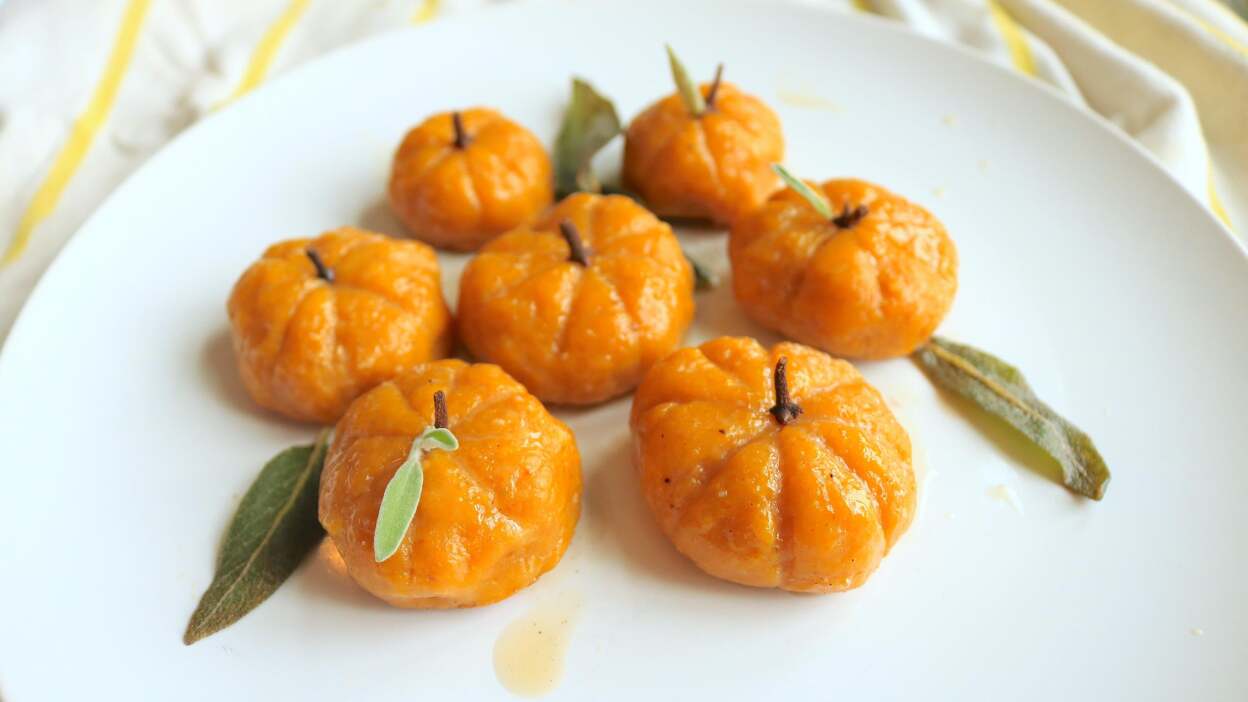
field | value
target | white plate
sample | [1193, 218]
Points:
[128, 438]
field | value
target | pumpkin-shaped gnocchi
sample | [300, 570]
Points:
[494, 514]
[709, 161]
[773, 468]
[316, 322]
[579, 305]
[461, 178]
[871, 276]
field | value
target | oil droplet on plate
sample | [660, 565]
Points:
[1006, 494]
[529, 654]
[809, 101]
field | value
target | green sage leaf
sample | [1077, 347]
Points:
[439, 439]
[589, 124]
[272, 531]
[402, 495]
[816, 200]
[1001, 389]
[689, 93]
[703, 278]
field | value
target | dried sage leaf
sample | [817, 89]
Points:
[1001, 389]
[589, 124]
[272, 531]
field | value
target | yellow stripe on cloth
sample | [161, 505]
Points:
[1230, 41]
[1015, 39]
[427, 10]
[266, 51]
[1228, 12]
[83, 132]
[1215, 202]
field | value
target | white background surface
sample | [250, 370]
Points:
[128, 438]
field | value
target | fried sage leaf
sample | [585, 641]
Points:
[272, 531]
[1001, 389]
[402, 496]
[589, 124]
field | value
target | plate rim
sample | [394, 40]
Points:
[42, 301]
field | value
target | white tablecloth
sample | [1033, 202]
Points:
[90, 90]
